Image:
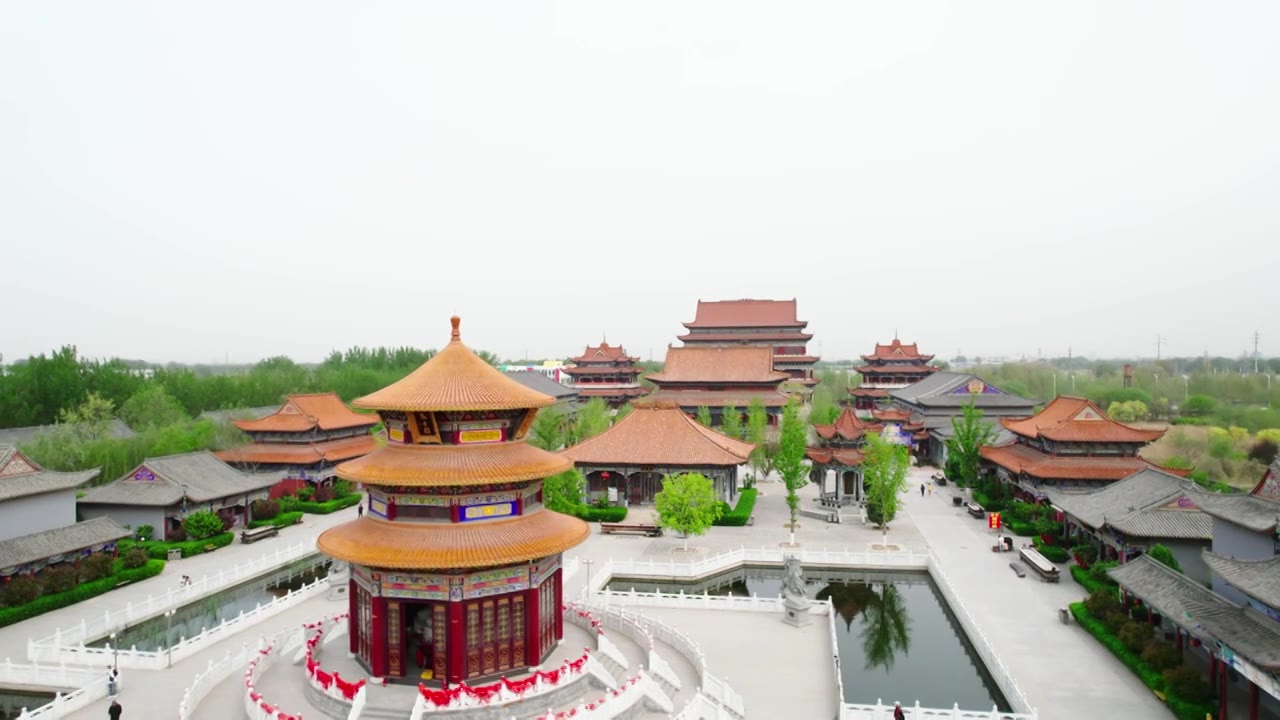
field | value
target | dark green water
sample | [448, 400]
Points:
[191, 620]
[12, 702]
[897, 639]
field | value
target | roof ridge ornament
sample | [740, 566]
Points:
[456, 336]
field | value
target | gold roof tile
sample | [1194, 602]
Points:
[454, 379]
[372, 542]
[446, 465]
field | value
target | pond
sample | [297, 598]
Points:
[896, 637]
[191, 619]
[13, 702]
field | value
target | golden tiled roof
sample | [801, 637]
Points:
[440, 465]
[301, 413]
[455, 379]
[378, 543]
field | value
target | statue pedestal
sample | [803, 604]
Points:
[795, 611]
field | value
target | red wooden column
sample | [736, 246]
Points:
[559, 612]
[1253, 700]
[532, 628]
[456, 644]
[378, 636]
[353, 618]
[1222, 691]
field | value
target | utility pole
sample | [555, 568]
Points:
[1159, 342]
[1255, 352]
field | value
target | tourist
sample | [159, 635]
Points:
[113, 681]
[921, 489]
[930, 488]
[186, 580]
[898, 713]
[114, 711]
[360, 510]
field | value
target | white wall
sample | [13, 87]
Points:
[37, 513]
[130, 516]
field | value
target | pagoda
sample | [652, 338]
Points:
[718, 378]
[306, 438]
[455, 567]
[606, 371]
[836, 464]
[890, 367]
[1070, 444]
[762, 323]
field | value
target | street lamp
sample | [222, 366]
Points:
[115, 653]
[168, 632]
[587, 590]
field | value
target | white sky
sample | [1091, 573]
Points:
[189, 182]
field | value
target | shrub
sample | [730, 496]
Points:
[1115, 621]
[79, 593]
[96, 566]
[612, 513]
[160, 550]
[135, 558]
[1187, 684]
[178, 534]
[306, 493]
[1090, 583]
[1135, 636]
[741, 512]
[144, 532]
[323, 494]
[1099, 571]
[265, 509]
[341, 487]
[281, 520]
[1022, 528]
[202, 524]
[291, 504]
[1163, 554]
[1052, 553]
[1088, 552]
[1102, 603]
[21, 590]
[58, 578]
[1161, 656]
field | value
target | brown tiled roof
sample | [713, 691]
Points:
[604, 352]
[897, 350]
[733, 337]
[1020, 458]
[719, 399]
[659, 434]
[300, 453]
[442, 465]
[301, 413]
[868, 392]
[612, 392]
[745, 313]
[838, 456]
[796, 358]
[891, 415]
[603, 370]
[847, 425]
[373, 542]
[455, 379]
[879, 369]
[1075, 419]
[738, 364]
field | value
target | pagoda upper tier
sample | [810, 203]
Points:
[606, 371]
[891, 367]
[765, 323]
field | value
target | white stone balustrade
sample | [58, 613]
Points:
[257, 707]
[619, 702]
[880, 711]
[209, 678]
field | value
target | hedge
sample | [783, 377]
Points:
[591, 513]
[1052, 553]
[280, 521]
[80, 593]
[1181, 709]
[1022, 529]
[290, 504]
[741, 513]
[159, 549]
[1090, 583]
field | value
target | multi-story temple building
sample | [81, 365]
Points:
[606, 371]
[718, 378]
[890, 367]
[306, 438]
[940, 398]
[763, 323]
[1071, 443]
[456, 564]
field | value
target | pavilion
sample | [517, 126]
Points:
[627, 463]
[836, 463]
[456, 566]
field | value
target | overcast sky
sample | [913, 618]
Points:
[194, 182]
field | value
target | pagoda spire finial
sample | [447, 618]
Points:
[895, 333]
[455, 321]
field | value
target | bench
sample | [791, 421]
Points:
[612, 528]
[975, 510]
[1017, 569]
[258, 533]
[1045, 569]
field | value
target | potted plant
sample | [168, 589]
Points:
[1086, 554]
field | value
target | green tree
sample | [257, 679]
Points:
[202, 524]
[1199, 405]
[969, 434]
[550, 428]
[822, 408]
[1160, 553]
[703, 416]
[622, 412]
[790, 459]
[885, 473]
[592, 419]
[92, 418]
[1128, 411]
[731, 424]
[563, 492]
[757, 425]
[687, 504]
[151, 407]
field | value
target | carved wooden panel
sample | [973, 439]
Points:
[395, 639]
[439, 639]
[517, 629]
[473, 639]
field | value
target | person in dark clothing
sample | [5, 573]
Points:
[114, 711]
[898, 713]
[360, 510]
[921, 489]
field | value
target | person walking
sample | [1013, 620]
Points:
[114, 711]
[360, 510]
[921, 489]
[898, 712]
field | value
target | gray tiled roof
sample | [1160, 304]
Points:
[1157, 523]
[543, 384]
[1120, 499]
[1259, 579]
[19, 436]
[938, 390]
[1253, 512]
[40, 481]
[199, 476]
[1246, 631]
[38, 546]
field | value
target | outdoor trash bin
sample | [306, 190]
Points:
[1064, 615]
[174, 554]
[956, 500]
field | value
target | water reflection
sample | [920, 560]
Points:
[13, 702]
[886, 629]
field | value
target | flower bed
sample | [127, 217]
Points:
[328, 683]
